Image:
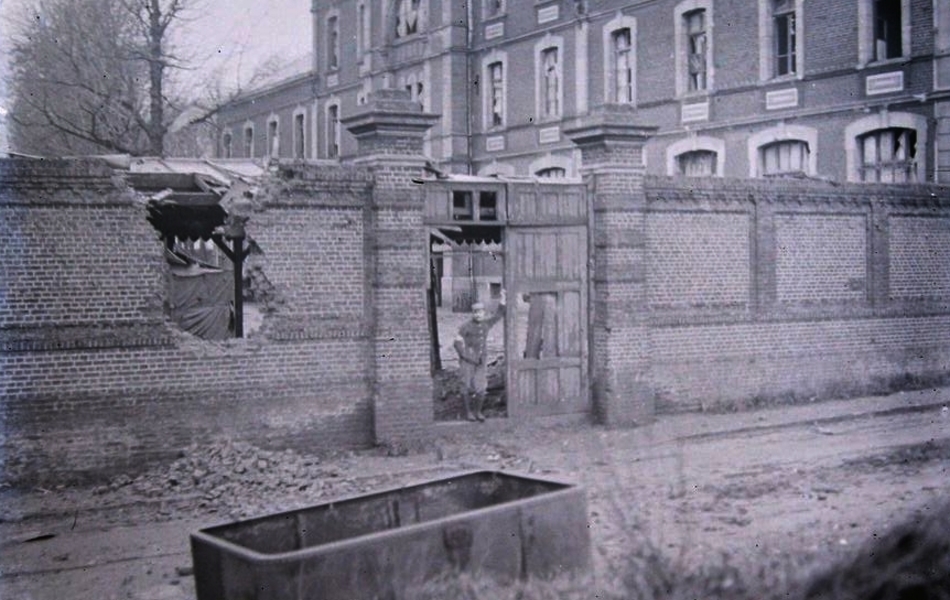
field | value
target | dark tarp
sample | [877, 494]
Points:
[201, 300]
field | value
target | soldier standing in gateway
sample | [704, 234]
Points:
[470, 343]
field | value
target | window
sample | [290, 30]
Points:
[696, 55]
[620, 60]
[694, 40]
[469, 206]
[622, 65]
[889, 155]
[696, 156]
[496, 94]
[493, 8]
[887, 29]
[407, 18]
[884, 27]
[551, 173]
[249, 141]
[786, 40]
[226, 145]
[697, 163]
[550, 84]
[333, 43]
[415, 85]
[300, 138]
[333, 131]
[780, 38]
[784, 157]
[363, 34]
[273, 138]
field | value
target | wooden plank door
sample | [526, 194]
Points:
[546, 279]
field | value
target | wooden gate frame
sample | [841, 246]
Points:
[530, 209]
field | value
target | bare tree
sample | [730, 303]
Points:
[91, 76]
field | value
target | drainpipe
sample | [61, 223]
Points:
[469, 154]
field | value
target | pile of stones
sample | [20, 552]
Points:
[236, 479]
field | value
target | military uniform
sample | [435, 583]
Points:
[470, 344]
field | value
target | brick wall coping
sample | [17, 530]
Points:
[657, 186]
[24, 181]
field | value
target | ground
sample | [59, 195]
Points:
[757, 496]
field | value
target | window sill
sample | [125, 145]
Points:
[698, 95]
[887, 62]
[781, 79]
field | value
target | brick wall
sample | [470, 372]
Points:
[94, 380]
[777, 288]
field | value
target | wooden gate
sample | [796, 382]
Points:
[546, 264]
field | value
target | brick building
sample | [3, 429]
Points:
[849, 90]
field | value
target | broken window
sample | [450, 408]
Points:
[496, 94]
[889, 155]
[887, 29]
[696, 46]
[407, 18]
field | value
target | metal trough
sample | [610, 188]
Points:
[385, 544]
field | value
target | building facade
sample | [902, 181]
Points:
[847, 90]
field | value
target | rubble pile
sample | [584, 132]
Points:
[238, 480]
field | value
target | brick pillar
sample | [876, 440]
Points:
[611, 145]
[389, 132]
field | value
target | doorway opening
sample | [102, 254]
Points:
[467, 269]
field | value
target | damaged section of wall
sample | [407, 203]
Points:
[94, 380]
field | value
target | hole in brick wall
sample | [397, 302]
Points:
[213, 289]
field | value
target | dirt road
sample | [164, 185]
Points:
[772, 487]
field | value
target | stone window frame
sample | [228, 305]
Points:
[299, 134]
[866, 31]
[332, 147]
[885, 120]
[227, 143]
[680, 12]
[247, 141]
[619, 23]
[767, 48]
[696, 143]
[545, 45]
[783, 132]
[492, 58]
[272, 146]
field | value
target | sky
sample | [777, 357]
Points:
[233, 37]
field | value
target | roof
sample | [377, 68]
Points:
[226, 170]
[185, 194]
